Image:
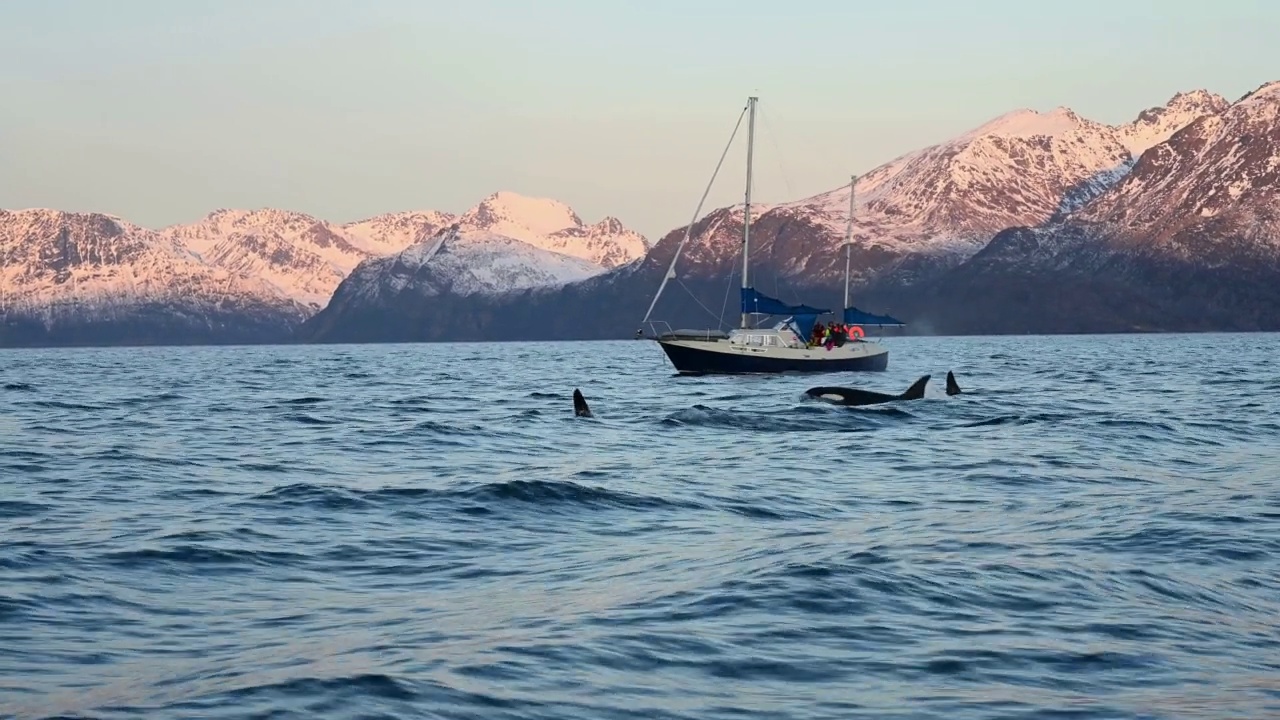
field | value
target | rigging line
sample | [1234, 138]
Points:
[727, 287]
[773, 140]
[689, 229]
[695, 299]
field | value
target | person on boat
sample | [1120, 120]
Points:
[816, 336]
[837, 334]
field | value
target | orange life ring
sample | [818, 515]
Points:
[856, 331]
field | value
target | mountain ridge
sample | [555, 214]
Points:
[283, 265]
[1188, 240]
[1182, 193]
[919, 218]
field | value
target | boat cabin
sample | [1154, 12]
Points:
[766, 337]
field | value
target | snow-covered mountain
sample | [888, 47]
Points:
[285, 264]
[306, 258]
[1189, 239]
[506, 244]
[1218, 176]
[1146, 222]
[393, 232]
[459, 268]
[928, 210]
[463, 263]
[86, 278]
[1155, 125]
[923, 232]
[552, 225]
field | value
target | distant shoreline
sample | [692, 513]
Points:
[300, 343]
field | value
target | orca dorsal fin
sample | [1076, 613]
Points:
[580, 408]
[916, 391]
[953, 388]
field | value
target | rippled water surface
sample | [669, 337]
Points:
[426, 531]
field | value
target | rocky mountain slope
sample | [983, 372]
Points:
[268, 269]
[465, 263]
[302, 257]
[928, 210]
[86, 278]
[1188, 240]
[392, 232]
[551, 225]
[917, 217]
[305, 258]
[1033, 222]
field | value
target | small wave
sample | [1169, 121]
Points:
[542, 493]
[12, 607]
[1130, 423]
[21, 508]
[199, 554]
[123, 455]
[25, 455]
[59, 405]
[208, 536]
[546, 493]
[1020, 419]
[792, 420]
[307, 400]
[19, 387]
[419, 400]
[308, 419]
[307, 494]
[433, 427]
[263, 467]
[144, 400]
[374, 685]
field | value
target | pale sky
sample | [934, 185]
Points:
[160, 111]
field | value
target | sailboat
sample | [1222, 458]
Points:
[783, 347]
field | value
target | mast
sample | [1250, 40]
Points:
[848, 239]
[746, 205]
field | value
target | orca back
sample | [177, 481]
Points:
[848, 396]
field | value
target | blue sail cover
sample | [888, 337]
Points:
[803, 325]
[854, 316]
[754, 302]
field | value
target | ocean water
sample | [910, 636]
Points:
[1092, 530]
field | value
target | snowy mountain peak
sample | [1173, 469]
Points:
[201, 236]
[303, 257]
[1267, 94]
[1155, 125]
[552, 225]
[1020, 168]
[93, 255]
[609, 224]
[1026, 123]
[1219, 177]
[520, 217]
[392, 232]
[1200, 100]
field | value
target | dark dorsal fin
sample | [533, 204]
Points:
[916, 391]
[953, 388]
[580, 408]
